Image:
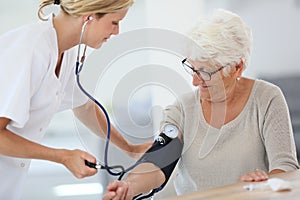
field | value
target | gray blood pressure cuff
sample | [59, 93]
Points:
[165, 156]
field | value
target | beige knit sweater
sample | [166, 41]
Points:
[261, 137]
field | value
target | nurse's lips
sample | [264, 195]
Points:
[105, 39]
[203, 87]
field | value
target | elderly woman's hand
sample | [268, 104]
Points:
[118, 190]
[254, 176]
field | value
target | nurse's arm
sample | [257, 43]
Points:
[14, 145]
[92, 117]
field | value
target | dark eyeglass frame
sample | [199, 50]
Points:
[199, 71]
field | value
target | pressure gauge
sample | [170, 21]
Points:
[170, 130]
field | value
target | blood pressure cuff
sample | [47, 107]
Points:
[164, 156]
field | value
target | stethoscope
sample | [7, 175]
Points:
[122, 171]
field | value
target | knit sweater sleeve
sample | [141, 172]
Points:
[173, 114]
[277, 133]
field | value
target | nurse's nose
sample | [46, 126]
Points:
[115, 30]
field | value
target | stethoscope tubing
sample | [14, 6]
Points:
[78, 68]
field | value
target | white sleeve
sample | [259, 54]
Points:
[15, 87]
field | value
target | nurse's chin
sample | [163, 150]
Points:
[100, 45]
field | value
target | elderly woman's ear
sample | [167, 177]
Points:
[239, 68]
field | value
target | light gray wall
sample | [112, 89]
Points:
[275, 26]
[276, 30]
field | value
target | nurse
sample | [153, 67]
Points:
[38, 80]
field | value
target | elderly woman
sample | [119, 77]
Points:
[234, 128]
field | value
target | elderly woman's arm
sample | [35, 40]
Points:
[142, 179]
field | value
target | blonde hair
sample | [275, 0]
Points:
[224, 39]
[85, 7]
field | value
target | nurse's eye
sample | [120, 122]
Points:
[115, 23]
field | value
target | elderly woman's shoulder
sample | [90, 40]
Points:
[266, 88]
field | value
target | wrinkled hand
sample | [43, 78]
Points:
[136, 151]
[74, 160]
[254, 176]
[118, 190]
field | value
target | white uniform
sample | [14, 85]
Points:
[31, 93]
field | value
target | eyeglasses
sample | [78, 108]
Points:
[206, 76]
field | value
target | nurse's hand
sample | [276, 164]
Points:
[118, 190]
[254, 176]
[74, 160]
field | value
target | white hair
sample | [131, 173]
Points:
[223, 39]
